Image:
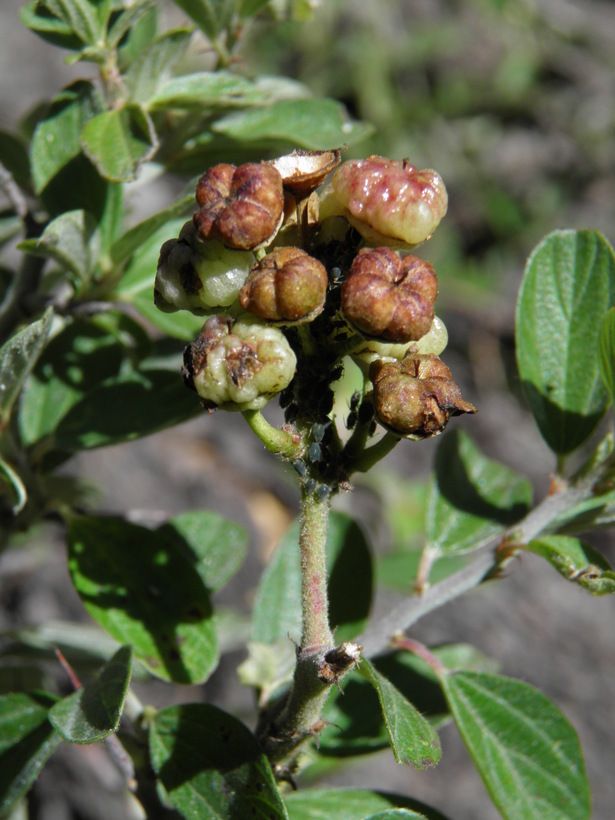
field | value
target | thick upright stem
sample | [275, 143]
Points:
[317, 633]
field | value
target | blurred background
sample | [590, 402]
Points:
[513, 102]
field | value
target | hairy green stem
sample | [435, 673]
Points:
[296, 721]
[279, 442]
[317, 633]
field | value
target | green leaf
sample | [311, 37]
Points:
[79, 16]
[37, 18]
[56, 138]
[211, 16]
[135, 404]
[137, 236]
[391, 814]
[118, 141]
[92, 713]
[471, 497]
[413, 740]
[14, 157]
[155, 64]
[349, 804]
[27, 740]
[208, 89]
[17, 358]
[309, 123]
[568, 286]
[607, 352]
[211, 765]
[72, 239]
[76, 360]
[577, 562]
[526, 752]
[277, 609]
[216, 547]
[354, 717]
[127, 19]
[145, 593]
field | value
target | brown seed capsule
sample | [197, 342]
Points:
[241, 207]
[286, 285]
[303, 171]
[390, 298]
[416, 397]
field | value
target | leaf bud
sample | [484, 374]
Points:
[242, 207]
[238, 365]
[388, 202]
[287, 285]
[198, 276]
[389, 297]
[416, 398]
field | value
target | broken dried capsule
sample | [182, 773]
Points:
[287, 285]
[416, 397]
[388, 297]
[238, 365]
[303, 171]
[388, 202]
[242, 207]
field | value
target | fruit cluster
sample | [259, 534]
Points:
[274, 251]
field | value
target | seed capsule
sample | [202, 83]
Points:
[388, 202]
[242, 207]
[417, 397]
[238, 365]
[287, 285]
[389, 297]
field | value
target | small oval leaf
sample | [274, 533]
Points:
[577, 562]
[471, 497]
[412, 739]
[145, 593]
[212, 766]
[92, 713]
[526, 752]
[567, 288]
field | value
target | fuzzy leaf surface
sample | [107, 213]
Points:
[211, 765]
[208, 89]
[568, 287]
[216, 547]
[471, 497]
[145, 593]
[118, 141]
[311, 123]
[350, 804]
[607, 352]
[526, 752]
[56, 139]
[413, 740]
[277, 609]
[27, 740]
[211, 16]
[577, 562]
[18, 356]
[92, 713]
[72, 240]
[155, 65]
